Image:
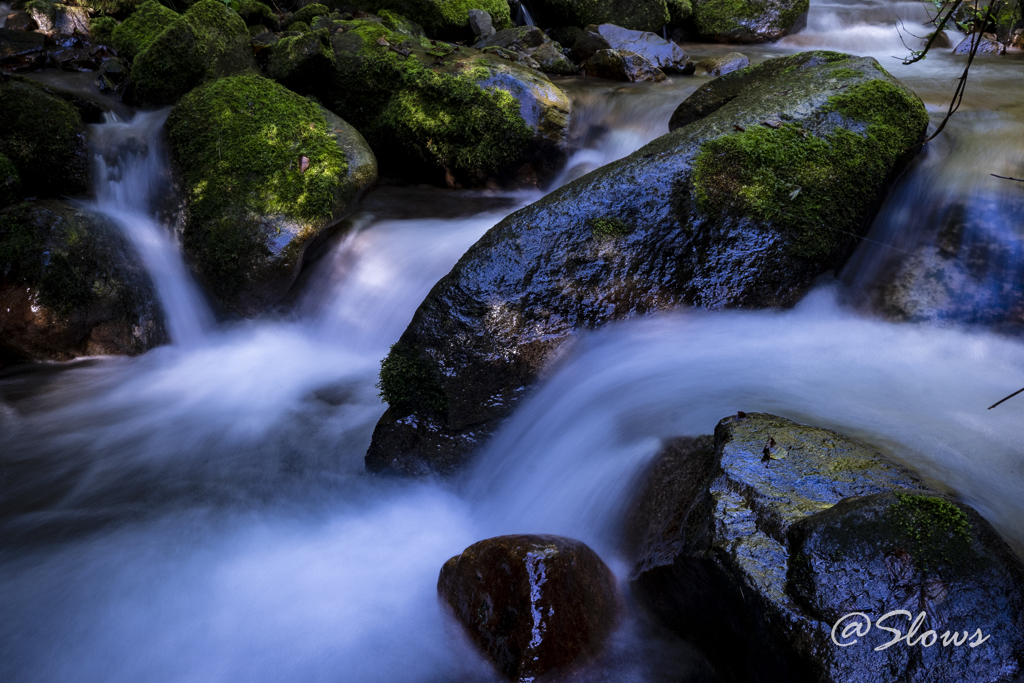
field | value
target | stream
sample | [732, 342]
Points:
[202, 513]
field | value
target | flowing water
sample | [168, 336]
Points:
[201, 513]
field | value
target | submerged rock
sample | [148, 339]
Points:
[43, 136]
[534, 605]
[744, 207]
[661, 53]
[71, 285]
[207, 42]
[723, 64]
[743, 21]
[267, 172]
[754, 544]
[437, 112]
[621, 65]
[636, 15]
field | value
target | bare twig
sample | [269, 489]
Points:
[1006, 177]
[918, 56]
[1005, 399]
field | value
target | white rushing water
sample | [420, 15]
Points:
[201, 512]
[129, 171]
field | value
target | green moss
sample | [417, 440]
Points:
[817, 189]
[255, 13]
[208, 41]
[609, 227]
[10, 182]
[937, 530]
[844, 73]
[240, 143]
[40, 7]
[882, 69]
[306, 15]
[292, 53]
[102, 29]
[444, 19]
[44, 138]
[140, 29]
[719, 17]
[406, 381]
[399, 24]
[439, 119]
[298, 27]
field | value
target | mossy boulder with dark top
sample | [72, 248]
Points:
[135, 33]
[753, 544]
[536, 606]
[747, 21]
[207, 42]
[267, 172]
[43, 137]
[530, 46]
[71, 285]
[743, 208]
[431, 112]
[636, 15]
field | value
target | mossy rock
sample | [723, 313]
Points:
[306, 15]
[430, 112]
[136, 32]
[636, 15]
[207, 42]
[443, 19]
[747, 21]
[774, 530]
[103, 29]
[71, 285]
[743, 208]
[266, 173]
[255, 13]
[44, 138]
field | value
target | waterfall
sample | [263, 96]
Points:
[130, 170]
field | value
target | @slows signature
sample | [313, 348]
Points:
[858, 625]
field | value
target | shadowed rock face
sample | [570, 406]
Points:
[747, 21]
[533, 604]
[729, 211]
[754, 543]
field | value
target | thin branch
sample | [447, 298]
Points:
[1005, 399]
[918, 56]
[1006, 177]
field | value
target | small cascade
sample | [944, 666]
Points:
[5, 9]
[523, 16]
[130, 171]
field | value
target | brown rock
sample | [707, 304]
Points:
[620, 65]
[533, 604]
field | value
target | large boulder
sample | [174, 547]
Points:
[436, 112]
[757, 544]
[621, 65]
[747, 21]
[266, 173]
[71, 285]
[43, 136]
[535, 605]
[637, 15]
[742, 208]
[444, 19]
[663, 54]
[135, 33]
[207, 42]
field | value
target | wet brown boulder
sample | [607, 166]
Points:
[533, 604]
[620, 65]
[723, 64]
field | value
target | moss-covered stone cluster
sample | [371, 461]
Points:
[444, 19]
[791, 177]
[207, 42]
[249, 148]
[935, 528]
[747, 20]
[43, 137]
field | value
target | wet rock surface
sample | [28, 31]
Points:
[620, 65]
[754, 543]
[535, 605]
[724, 64]
[661, 53]
[71, 285]
[761, 21]
[645, 234]
[531, 47]
[636, 15]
